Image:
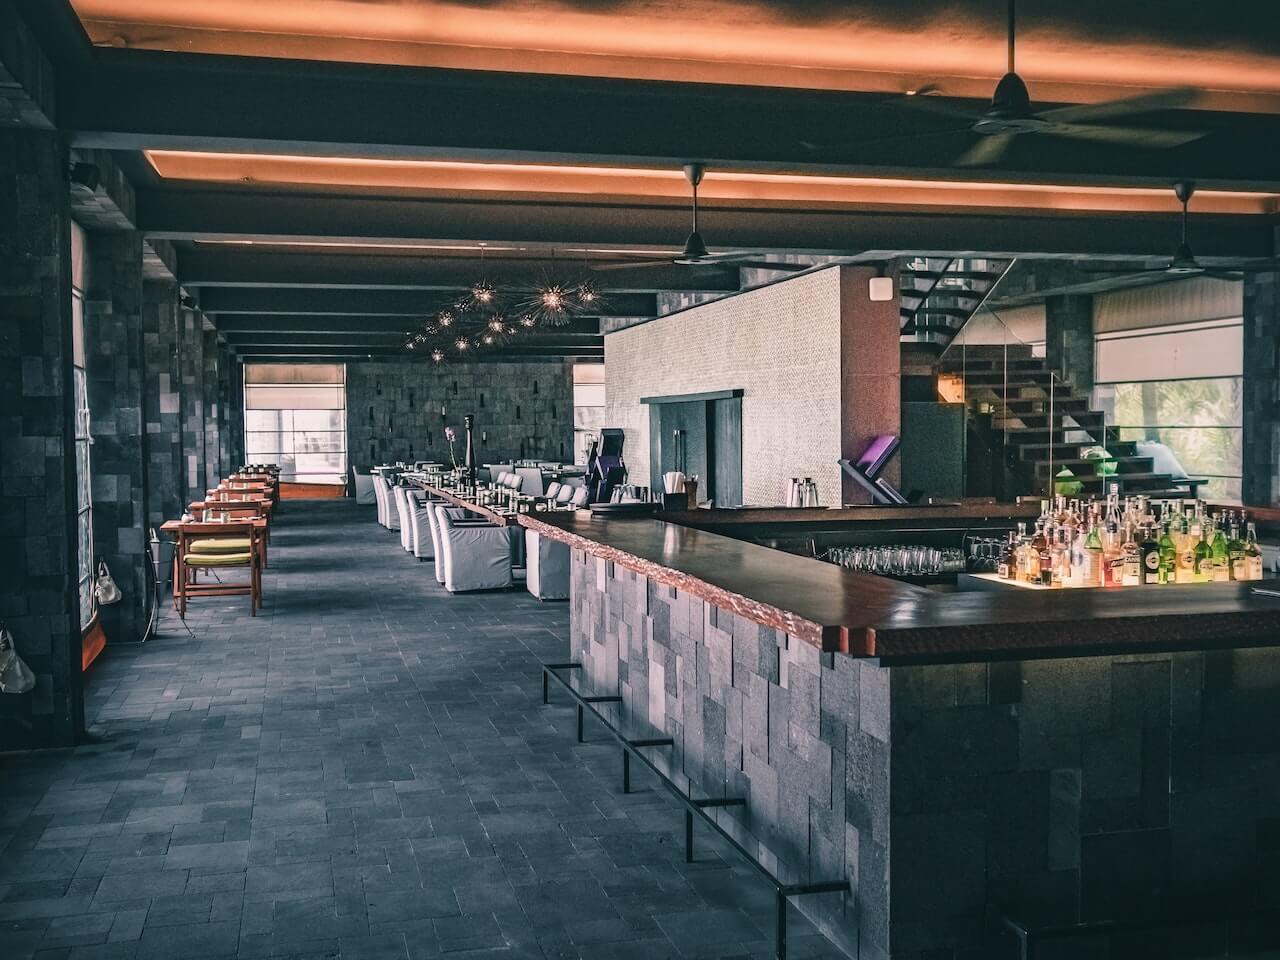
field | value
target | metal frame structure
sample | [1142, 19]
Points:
[699, 806]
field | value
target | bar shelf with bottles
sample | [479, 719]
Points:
[1130, 542]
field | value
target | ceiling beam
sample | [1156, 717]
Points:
[229, 214]
[251, 267]
[221, 301]
[362, 353]
[138, 99]
[382, 326]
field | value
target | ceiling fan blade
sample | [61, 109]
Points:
[852, 146]
[988, 149]
[1169, 99]
[631, 265]
[1126, 136]
[770, 265]
[930, 103]
[1118, 268]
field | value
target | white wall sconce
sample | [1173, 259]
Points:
[880, 288]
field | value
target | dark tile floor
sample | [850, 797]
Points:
[365, 770]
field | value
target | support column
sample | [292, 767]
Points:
[1068, 341]
[39, 596]
[114, 364]
[209, 384]
[870, 374]
[191, 363]
[167, 487]
[1260, 466]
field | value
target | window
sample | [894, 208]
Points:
[588, 407]
[295, 415]
[84, 487]
[1180, 386]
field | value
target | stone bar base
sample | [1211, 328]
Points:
[1107, 787]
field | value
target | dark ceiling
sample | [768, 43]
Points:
[293, 258]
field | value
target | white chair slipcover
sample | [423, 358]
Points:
[420, 525]
[365, 493]
[477, 556]
[546, 567]
[382, 493]
[401, 514]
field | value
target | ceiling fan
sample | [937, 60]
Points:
[1011, 115]
[1184, 262]
[695, 253]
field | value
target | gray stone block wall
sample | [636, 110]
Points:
[162, 403]
[38, 591]
[1261, 455]
[192, 400]
[802, 736]
[114, 367]
[521, 410]
[1055, 790]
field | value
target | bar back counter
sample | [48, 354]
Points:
[984, 769]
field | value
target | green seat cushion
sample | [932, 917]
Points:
[221, 545]
[218, 559]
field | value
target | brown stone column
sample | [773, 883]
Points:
[870, 373]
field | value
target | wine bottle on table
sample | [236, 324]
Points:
[469, 457]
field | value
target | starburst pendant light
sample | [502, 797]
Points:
[437, 355]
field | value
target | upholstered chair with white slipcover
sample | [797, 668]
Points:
[546, 566]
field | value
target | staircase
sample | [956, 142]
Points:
[1036, 443]
[938, 295]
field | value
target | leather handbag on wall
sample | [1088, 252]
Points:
[15, 675]
[105, 588]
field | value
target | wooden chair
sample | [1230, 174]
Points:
[215, 546]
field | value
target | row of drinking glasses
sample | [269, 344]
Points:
[899, 560]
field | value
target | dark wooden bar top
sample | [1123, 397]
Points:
[897, 623]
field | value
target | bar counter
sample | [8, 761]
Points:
[896, 623]
[1066, 757]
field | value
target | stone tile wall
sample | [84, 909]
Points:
[1056, 790]
[38, 591]
[803, 736]
[162, 406]
[522, 410]
[116, 375]
[1261, 457]
[780, 344]
[192, 399]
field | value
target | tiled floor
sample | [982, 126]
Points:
[363, 771]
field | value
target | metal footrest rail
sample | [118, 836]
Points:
[699, 806]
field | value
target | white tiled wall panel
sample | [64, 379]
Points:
[779, 344]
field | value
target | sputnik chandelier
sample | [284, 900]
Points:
[488, 316]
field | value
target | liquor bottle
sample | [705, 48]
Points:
[1168, 556]
[1150, 550]
[1252, 554]
[1186, 545]
[1020, 554]
[1079, 557]
[1007, 565]
[1202, 557]
[1131, 553]
[1046, 557]
[1035, 548]
[1092, 576]
[469, 457]
[1235, 550]
[1220, 557]
[1062, 557]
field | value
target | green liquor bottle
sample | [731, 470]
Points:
[1150, 548]
[1093, 558]
[1168, 557]
[1220, 556]
[1235, 550]
[1202, 559]
[1252, 554]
